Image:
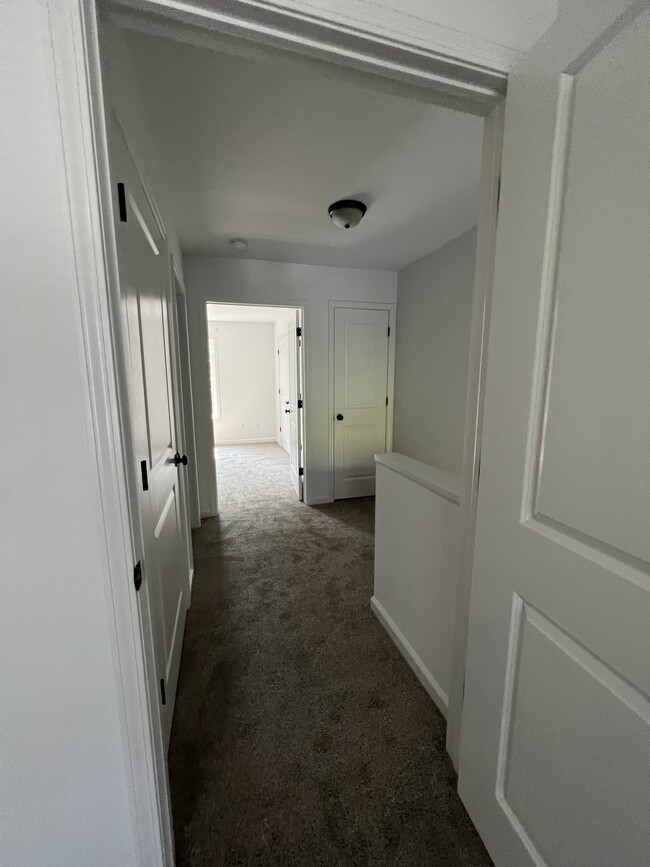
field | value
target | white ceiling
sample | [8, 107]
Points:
[249, 313]
[259, 149]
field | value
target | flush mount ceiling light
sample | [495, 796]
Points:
[239, 245]
[347, 213]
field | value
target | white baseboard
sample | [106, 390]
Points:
[246, 442]
[428, 681]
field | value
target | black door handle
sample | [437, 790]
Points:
[180, 460]
[339, 417]
[287, 410]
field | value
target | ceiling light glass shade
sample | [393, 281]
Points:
[347, 213]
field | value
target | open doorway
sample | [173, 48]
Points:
[389, 310]
[256, 392]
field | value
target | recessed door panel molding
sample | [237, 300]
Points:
[360, 363]
[595, 310]
[555, 740]
[561, 817]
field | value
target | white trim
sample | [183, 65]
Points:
[201, 309]
[428, 681]
[179, 412]
[481, 307]
[424, 60]
[443, 75]
[180, 299]
[438, 482]
[390, 387]
[73, 29]
[318, 501]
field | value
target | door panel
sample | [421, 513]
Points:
[146, 293]
[602, 309]
[283, 362]
[555, 745]
[361, 384]
[360, 394]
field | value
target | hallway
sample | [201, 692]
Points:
[300, 735]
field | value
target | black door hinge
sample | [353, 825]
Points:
[299, 403]
[389, 330]
[301, 471]
[121, 199]
[386, 401]
[163, 697]
[299, 331]
[137, 576]
[145, 475]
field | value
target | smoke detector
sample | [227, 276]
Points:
[347, 213]
[239, 245]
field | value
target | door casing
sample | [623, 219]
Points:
[361, 305]
[438, 78]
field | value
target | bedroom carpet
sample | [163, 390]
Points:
[300, 735]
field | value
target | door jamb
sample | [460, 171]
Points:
[389, 306]
[176, 288]
[80, 105]
[204, 360]
[180, 297]
[471, 467]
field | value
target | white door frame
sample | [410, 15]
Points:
[206, 397]
[443, 76]
[180, 300]
[390, 386]
[471, 466]
[175, 284]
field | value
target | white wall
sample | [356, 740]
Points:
[246, 360]
[417, 535]
[257, 282]
[64, 780]
[124, 98]
[434, 314]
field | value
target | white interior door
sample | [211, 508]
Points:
[555, 745]
[147, 303]
[360, 398]
[283, 378]
[294, 414]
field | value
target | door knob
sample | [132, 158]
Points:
[339, 417]
[180, 460]
[287, 410]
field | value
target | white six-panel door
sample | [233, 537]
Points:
[555, 744]
[147, 302]
[360, 398]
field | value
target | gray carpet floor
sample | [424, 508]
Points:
[300, 735]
